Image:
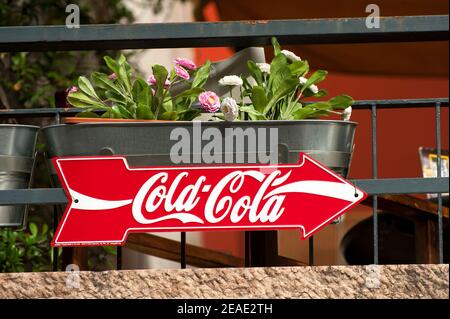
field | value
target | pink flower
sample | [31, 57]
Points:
[181, 72]
[112, 76]
[188, 64]
[209, 101]
[152, 81]
[72, 89]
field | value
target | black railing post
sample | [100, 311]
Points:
[183, 250]
[374, 176]
[311, 250]
[439, 173]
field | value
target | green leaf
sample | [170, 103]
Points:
[79, 99]
[33, 229]
[116, 98]
[188, 115]
[110, 250]
[259, 98]
[122, 60]
[139, 86]
[160, 74]
[246, 84]
[276, 46]
[306, 113]
[251, 110]
[102, 81]
[316, 77]
[296, 107]
[319, 106]
[193, 92]
[321, 93]
[86, 87]
[313, 110]
[44, 229]
[143, 112]
[201, 75]
[121, 112]
[219, 116]
[341, 102]
[254, 117]
[169, 116]
[145, 97]
[279, 71]
[255, 72]
[167, 106]
[309, 93]
[112, 64]
[87, 114]
[291, 109]
[280, 78]
[299, 68]
[52, 101]
[109, 114]
[288, 85]
[123, 77]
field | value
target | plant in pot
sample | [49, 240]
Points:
[124, 97]
[270, 96]
[275, 94]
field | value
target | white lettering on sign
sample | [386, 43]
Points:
[155, 193]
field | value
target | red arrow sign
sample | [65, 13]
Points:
[108, 199]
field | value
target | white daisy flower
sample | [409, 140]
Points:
[291, 55]
[314, 88]
[231, 80]
[229, 109]
[264, 67]
[347, 113]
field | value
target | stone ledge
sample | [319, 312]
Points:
[393, 281]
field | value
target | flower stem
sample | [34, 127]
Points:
[242, 115]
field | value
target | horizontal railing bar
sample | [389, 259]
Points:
[39, 112]
[39, 196]
[403, 185]
[366, 104]
[400, 103]
[371, 186]
[233, 33]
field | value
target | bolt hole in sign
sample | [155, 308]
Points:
[109, 199]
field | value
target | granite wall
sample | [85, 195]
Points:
[393, 281]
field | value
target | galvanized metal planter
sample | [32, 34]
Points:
[17, 154]
[330, 142]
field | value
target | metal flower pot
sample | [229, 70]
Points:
[17, 153]
[330, 142]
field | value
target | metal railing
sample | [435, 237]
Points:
[393, 29]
